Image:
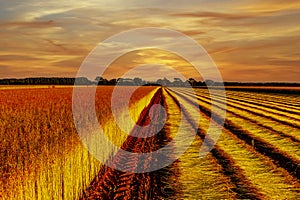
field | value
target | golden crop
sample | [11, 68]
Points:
[41, 155]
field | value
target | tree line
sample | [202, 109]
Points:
[176, 82]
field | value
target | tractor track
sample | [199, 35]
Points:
[113, 184]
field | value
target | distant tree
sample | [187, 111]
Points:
[83, 81]
[112, 81]
[159, 82]
[166, 82]
[192, 82]
[119, 80]
[209, 82]
[101, 81]
[99, 78]
[138, 81]
[178, 82]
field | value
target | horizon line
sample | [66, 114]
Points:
[34, 77]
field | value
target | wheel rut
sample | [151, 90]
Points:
[114, 184]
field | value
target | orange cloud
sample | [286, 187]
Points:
[270, 6]
[246, 39]
[155, 57]
[236, 16]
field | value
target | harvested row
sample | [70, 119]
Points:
[276, 127]
[262, 105]
[279, 100]
[280, 154]
[200, 177]
[275, 116]
[257, 167]
[241, 185]
[282, 129]
[284, 102]
[289, 95]
[282, 107]
[290, 115]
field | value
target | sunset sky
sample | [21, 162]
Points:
[250, 40]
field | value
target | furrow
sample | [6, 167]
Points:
[295, 138]
[290, 121]
[279, 158]
[260, 170]
[243, 187]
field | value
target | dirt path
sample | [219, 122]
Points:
[114, 184]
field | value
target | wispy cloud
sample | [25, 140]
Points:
[258, 6]
[246, 39]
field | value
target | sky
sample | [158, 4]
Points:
[248, 40]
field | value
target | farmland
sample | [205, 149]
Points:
[41, 154]
[257, 156]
